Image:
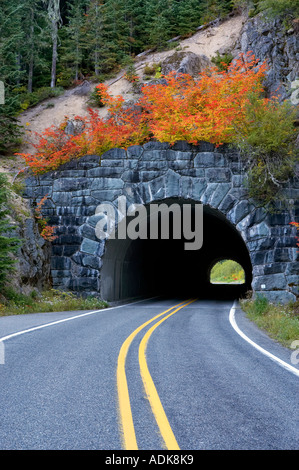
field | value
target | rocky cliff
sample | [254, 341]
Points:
[271, 41]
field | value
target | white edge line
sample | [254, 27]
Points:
[283, 364]
[22, 332]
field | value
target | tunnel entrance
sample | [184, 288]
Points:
[151, 267]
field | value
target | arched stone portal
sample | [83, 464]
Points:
[263, 243]
[146, 267]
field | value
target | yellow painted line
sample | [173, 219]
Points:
[151, 391]
[125, 412]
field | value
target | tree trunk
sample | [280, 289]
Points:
[31, 59]
[96, 52]
[54, 52]
[30, 74]
[18, 68]
[96, 62]
[55, 20]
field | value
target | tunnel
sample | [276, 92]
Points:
[146, 267]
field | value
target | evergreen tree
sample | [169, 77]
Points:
[212, 9]
[12, 72]
[11, 41]
[8, 245]
[95, 42]
[117, 28]
[189, 14]
[72, 48]
[34, 25]
[158, 24]
[135, 21]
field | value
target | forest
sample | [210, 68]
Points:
[54, 42]
[49, 45]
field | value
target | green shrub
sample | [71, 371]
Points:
[222, 61]
[131, 74]
[267, 144]
[10, 134]
[10, 129]
[65, 78]
[272, 8]
[95, 99]
[281, 7]
[260, 305]
[27, 100]
[152, 69]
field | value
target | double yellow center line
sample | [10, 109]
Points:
[125, 412]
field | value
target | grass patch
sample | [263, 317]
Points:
[28, 100]
[13, 303]
[281, 322]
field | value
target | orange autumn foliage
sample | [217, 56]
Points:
[210, 108]
[46, 231]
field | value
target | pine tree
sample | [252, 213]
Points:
[11, 72]
[189, 14]
[8, 245]
[212, 9]
[72, 48]
[158, 25]
[11, 41]
[135, 21]
[34, 25]
[95, 34]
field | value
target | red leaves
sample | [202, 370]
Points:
[46, 231]
[210, 109]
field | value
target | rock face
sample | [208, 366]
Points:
[158, 172]
[83, 89]
[33, 260]
[74, 127]
[185, 62]
[270, 41]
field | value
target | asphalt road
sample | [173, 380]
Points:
[59, 386]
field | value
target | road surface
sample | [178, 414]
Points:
[153, 374]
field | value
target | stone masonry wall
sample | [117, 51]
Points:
[153, 172]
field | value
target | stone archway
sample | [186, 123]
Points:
[147, 267]
[158, 172]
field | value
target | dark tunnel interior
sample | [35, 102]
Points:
[163, 267]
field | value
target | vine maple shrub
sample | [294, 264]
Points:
[210, 108]
[46, 231]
